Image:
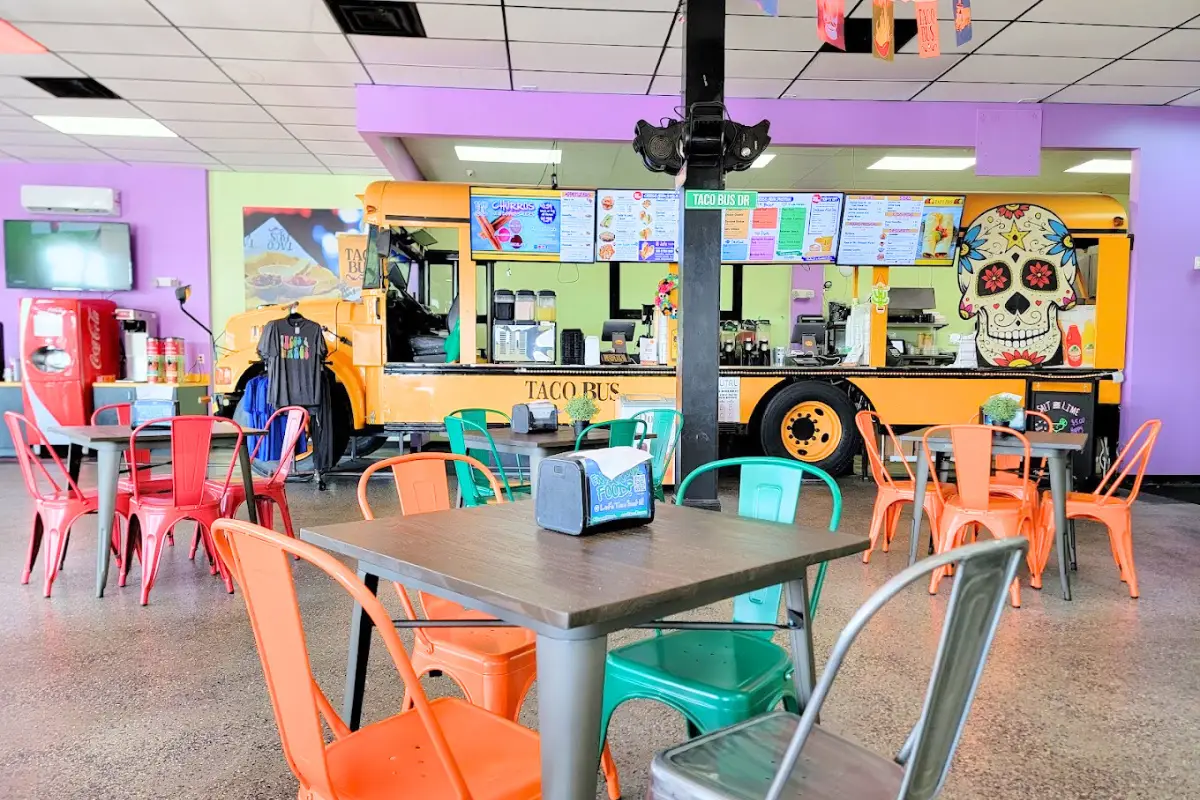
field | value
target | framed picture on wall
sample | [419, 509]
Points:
[292, 254]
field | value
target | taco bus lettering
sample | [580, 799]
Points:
[565, 390]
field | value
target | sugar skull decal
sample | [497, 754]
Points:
[1016, 271]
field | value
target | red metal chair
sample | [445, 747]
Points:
[135, 459]
[58, 502]
[191, 497]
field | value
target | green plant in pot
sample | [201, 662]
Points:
[1003, 410]
[581, 409]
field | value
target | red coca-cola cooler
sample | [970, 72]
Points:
[66, 346]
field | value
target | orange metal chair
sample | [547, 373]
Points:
[1115, 513]
[446, 748]
[973, 503]
[1007, 479]
[892, 494]
[495, 667]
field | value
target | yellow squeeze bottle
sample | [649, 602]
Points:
[1089, 344]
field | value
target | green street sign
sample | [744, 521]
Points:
[719, 198]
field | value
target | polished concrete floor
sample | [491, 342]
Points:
[1097, 698]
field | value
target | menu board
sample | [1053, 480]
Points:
[533, 224]
[789, 227]
[900, 230]
[634, 225]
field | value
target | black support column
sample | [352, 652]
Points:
[700, 260]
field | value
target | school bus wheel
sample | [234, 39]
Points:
[813, 422]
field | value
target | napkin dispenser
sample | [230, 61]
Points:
[594, 491]
[534, 417]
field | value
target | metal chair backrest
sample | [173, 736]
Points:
[124, 414]
[869, 425]
[972, 448]
[621, 432]
[456, 431]
[191, 446]
[769, 490]
[1143, 440]
[981, 582]
[260, 561]
[296, 424]
[479, 416]
[40, 483]
[667, 425]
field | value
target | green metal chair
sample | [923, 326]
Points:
[719, 678]
[456, 430]
[667, 425]
[621, 432]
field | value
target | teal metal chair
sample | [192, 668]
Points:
[667, 425]
[621, 432]
[719, 678]
[457, 429]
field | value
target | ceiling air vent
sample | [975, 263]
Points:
[75, 88]
[377, 18]
[859, 32]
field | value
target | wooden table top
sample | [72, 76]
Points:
[563, 437]
[576, 586]
[85, 435]
[1039, 441]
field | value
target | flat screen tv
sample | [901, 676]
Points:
[68, 255]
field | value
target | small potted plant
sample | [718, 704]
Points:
[581, 408]
[1003, 410]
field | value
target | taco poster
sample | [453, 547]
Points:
[292, 254]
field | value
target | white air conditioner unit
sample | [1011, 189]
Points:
[95, 201]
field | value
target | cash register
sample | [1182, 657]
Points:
[619, 332]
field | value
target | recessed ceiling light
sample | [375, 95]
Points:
[107, 126]
[924, 163]
[508, 155]
[762, 161]
[1106, 166]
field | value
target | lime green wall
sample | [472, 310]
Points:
[229, 192]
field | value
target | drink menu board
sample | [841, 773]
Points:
[790, 227]
[634, 225]
[533, 224]
[900, 230]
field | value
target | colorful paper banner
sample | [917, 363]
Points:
[883, 29]
[962, 22]
[831, 22]
[927, 29]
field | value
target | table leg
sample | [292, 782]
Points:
[108, 466]
[804, 665]
[922, 478]
[570, 688]
[1070, 522]
[1058, 492]
[248, 479]
[74, 464]
[356, 659]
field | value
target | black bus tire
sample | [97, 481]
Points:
[812, 422]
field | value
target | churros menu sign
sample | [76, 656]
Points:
[533, 224]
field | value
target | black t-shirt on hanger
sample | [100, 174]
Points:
[294, 350]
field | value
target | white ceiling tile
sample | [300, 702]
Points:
[12, 86]
[229, 130]
[1192, 99]
[32, 151]
[162, 68]
[50, 138]
[161, 156]
[143, 40]
[444, 21]
[269, 15]
[612, 59]
[219, 146]
[294, 73]
[272, 45]
[787, 8]
[768, 33]
[745, 63]
[864, 66]
[75, 107]
[328, 96]
[1160, 13]
[359, 148]
[479, 54]
[613, 5]
[588, 27]
[393, 75]
[178, 91]
[1063, 39]
[667, 85]
[997, 10]
[7, 111]
[355, 162]
[1148, 73]
[987, 92]
[268, 168]
[326, 133]
[22, 123]
[581, 82]
[270, 159]
[1118, 95]
[755, 87]
[853, 90]
[1180, 45]
[113, 12]
[1195, 23]
[982, 30]
[137, 143]
[309, 115]
[205, 112]
[1021, 69]
[38, 65]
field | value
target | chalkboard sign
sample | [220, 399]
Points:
[1071, 412]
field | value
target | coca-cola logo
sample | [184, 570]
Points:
[93, 319]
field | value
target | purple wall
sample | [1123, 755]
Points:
[167, 211]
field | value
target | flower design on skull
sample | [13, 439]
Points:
[1013, 210]
[969, 250]
[1060, 237]
[994, 279]
[1020, 358]
[1039, 275]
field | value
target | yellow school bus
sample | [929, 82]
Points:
[800, 412]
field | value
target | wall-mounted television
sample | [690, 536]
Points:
[68, 255]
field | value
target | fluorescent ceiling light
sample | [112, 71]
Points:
[1107, 166]
[107, 126]
[924, 163]
[508, 155]
[762, 161]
